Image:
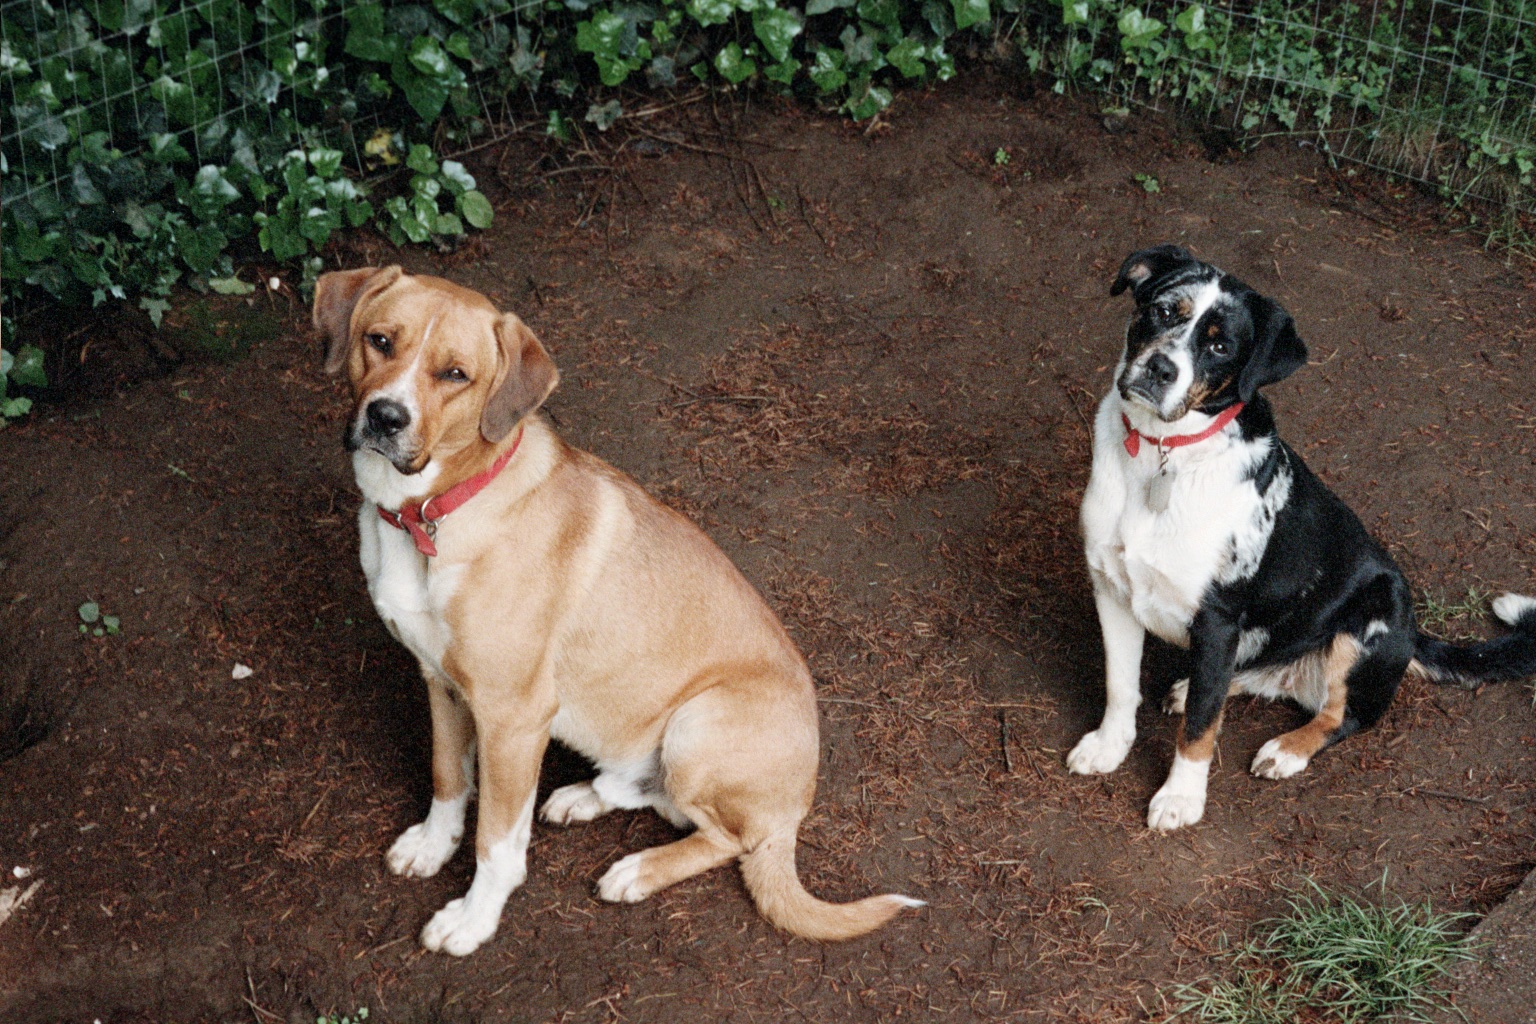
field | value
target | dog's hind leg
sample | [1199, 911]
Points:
[638, 875]
[424, 848]
[630, 785]
[1359, 681]
[574, 803]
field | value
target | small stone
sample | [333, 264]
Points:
[241, 671]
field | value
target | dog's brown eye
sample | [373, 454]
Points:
[1218, 348]
[1162, 314]
[380, 343]
[455, 374]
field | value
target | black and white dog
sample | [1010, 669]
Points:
[1205, 528]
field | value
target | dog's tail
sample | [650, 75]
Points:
[1501, 660]
[769, 871]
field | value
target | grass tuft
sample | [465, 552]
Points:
[1447, 617]
[1330, 958]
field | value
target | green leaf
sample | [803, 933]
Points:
[448, 224]
[970, 12]
[777, 29]
[1074, 12]
[1137, 30]
[200, 246]
[604, 115]
[325, 161]
[782, 72]
[112, 623]
[713, 12]
[90, 612]
[367, 37]
[1192, 20]
[866, 100]
[907, 57]
[734, 66]
[85, 191]
[815, 7]
[476, 209]
[456, 179]
[12, 408]
[211, 192]
[421, 160]
[156, 308]
[428, 57]
[460, 12]
[231, 285]
[27, 369]
[425, 93]
[827, 71]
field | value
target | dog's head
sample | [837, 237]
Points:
[1199, 339]
[434, 367]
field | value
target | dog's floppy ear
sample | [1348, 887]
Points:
[524, 378]
[337, 294]
[1278, 350]
[1148, 265]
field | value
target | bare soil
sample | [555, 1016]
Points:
[864, 360]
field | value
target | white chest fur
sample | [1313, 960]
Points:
[1161, 563]
[410, 594]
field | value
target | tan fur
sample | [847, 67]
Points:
[584, 608]
[1312, 737]
[1202, 747]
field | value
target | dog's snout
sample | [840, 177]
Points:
[387, 417]
[1162, 369]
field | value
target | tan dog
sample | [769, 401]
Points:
[561, 600]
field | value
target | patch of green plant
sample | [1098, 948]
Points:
[360, 1015]
[24, 368]
[1347, 73]
[94, 622]
[145, 138]
[418, 215]
[1148, 182]
[1332, 958]
[1438, 614]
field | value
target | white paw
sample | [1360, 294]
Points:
[1173, 704]
[1510, 608]
[1271, 762]
[458, 930]
[1174, 807]
[1100, 751]
[570, 804]
[621, 883]
[422, 850]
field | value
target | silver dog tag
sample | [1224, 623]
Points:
[1159, 489]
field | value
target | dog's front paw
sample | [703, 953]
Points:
[625, 882]
[570, 804]
[1174, 807]
[1173, 704]
[1273, 761]
[1100, 751]
[422, 850]
[458, 929]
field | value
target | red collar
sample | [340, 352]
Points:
[1133, 437]
[422, 524]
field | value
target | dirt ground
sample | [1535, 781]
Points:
[864, 361]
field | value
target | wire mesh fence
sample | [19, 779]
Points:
[218, 79]
[1439, 91]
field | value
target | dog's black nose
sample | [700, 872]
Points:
[387, 417]
[1161, 369]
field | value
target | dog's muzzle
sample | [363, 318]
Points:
[382, 427]
[1149, 381]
